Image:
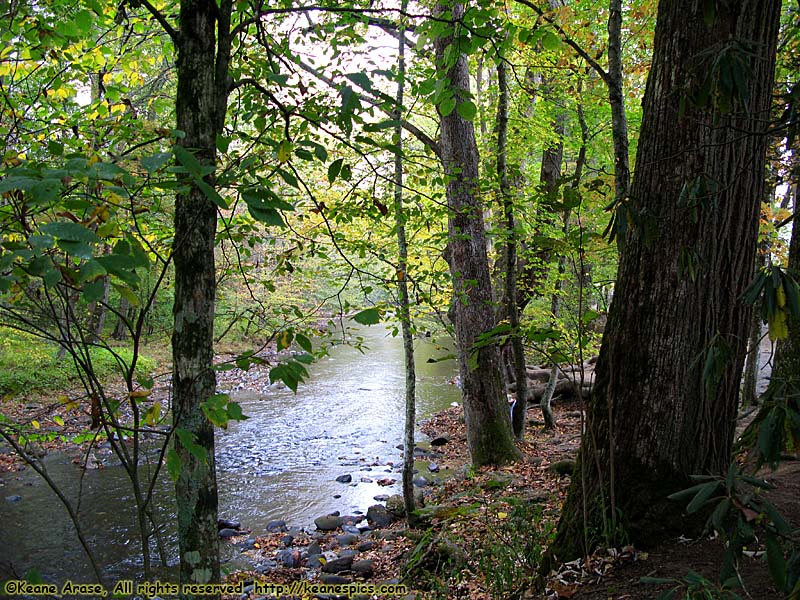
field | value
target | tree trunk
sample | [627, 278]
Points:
[486, 413]
[402, 288]
[654, 419]
[200, 107]
[786, 370]
[519, 411]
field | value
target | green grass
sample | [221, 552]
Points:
[29, 364]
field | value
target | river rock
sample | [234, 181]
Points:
[396, 505]
[313, 548]
[562, 467]
[367, 545]
[266, 566]
[314, 561]
[14, 498]
[247, 544]
[421, 481]
[289, 558]
[386, 481]
[346, 539]
[331, 579]
[226, 524]
[347, 528]
[348, 552]
[363, 568]
[381, 497]
[440, 440]
[287, 540]
[343, 563]
[227, 532]
[379, 516]
[433, 467]
[346, 478]
[277, 526]
[328, 522]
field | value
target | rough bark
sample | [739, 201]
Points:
[200, 109]
[488, 422]
[654, 419]
[402, 288]
[785, 378]
[519, 412]
[616, 98]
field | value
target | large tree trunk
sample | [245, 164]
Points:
[200, 108]
[654, 419]
[488, 422]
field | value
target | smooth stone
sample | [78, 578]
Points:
[347, 478]
[226, 524]
[346, 539]
[440, 440]
[247, 544]
[276, 526]
[228, 532]
[367, 545]
[343, 563]
[381, 497]
[328, 522]
[364, 568]
[379, 516]
[433, 467]
[562, 467]
[351, 529]
[331, 579]
[289, 558]
[421, 481]
[287, 540]
[396, 505]
[314, 561]
[14, 498]
[313, 548]
[266, 566]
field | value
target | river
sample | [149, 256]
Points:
[281, 463]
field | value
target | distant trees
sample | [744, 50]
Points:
[668, 375]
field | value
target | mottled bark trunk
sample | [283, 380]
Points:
[404, 308]
[786, 371]
[616, 98]
[654, 419]
[200, 109]
[488, 422]
[519, 411]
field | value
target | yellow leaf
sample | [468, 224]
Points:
[284, 151]
[140, 394]
[502, 515]
[35, 424]
[153, 414]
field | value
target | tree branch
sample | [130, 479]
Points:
[162, 20]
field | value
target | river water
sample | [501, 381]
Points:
[281, 463]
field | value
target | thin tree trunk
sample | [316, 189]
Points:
[654, 417]
[519, 411]
[619, 121]
[402, 288]
[486, 413]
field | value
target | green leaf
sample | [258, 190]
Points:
[188, 441]
[211, 193]
[70, 231]
[447, 105]
[92, 292]
[303, 342]
[776, 561]
[360, 79]
[334, 169]
[467, 110]
[173, 464]
[155, 162]
[703, 494]
[369, 316]
[55, 148]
